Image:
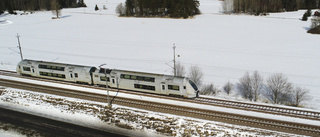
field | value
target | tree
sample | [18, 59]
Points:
[228, 87]
[250, 86]
[56, 8]
[96, 8]
[306, 15]
[299, 95]
[209, 89]
[227, 6]
[278, 89]
[257, 84]
[315, 26]
[195, 74]
[161, 8]
[244, 87]
[180, 70]
[121, 10]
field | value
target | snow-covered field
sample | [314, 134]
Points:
[120, 119]
[223, 46]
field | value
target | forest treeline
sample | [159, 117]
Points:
[162, 8]
[36, 5]
[258, 7]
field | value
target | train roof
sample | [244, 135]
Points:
[55, 63]
[124, 71]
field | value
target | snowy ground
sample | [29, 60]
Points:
[223, 46]
[131, 121]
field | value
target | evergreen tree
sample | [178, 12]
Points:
[96, 8]
[306, 15]
[162, 8]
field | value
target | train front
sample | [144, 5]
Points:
[192, 89]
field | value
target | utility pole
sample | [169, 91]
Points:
[174, 60]
[18, 36]
[105, 73]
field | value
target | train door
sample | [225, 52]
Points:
[72, 79]
[163, 88]
[32, 71]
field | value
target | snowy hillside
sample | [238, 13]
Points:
[223, 46]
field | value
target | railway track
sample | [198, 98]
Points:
[285, 111]
[259, 122]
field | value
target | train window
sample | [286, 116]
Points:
[184, 87]
[173, 87]
[140, 78]
[52, 75]
[76, 75]
[26, 69]
[126, 76]
[51, 67]
[194, 86]
[134, 77]
[146, 87]
[104, 78]
[163, 87]
[71, 76]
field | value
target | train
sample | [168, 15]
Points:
[114, 78]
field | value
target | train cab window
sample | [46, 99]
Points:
[26, 69]
[76, 75]
[173, 87]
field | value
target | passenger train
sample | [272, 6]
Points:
[122, 79]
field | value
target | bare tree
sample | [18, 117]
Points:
[121, 9]
[244, 87]
[209, 89]
[300, 94]
[180, 70]
[257, 84]
[195, 74]
[56, 8]
[227, 6]
[278, 89]
[228, 87]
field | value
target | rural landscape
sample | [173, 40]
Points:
[177, 54]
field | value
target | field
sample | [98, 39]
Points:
[223, 46]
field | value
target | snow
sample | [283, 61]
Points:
[223, 46]
[167, 101]
[140, 122]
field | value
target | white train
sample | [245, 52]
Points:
[131, 80]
